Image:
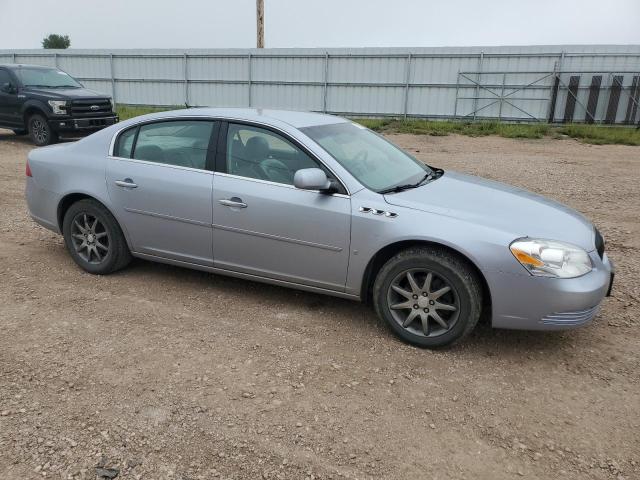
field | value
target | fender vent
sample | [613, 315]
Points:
[376, 211]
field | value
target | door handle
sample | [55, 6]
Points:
[234, 202]
[127, 183]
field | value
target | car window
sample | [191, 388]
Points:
[4, 77]
[259, 153]
[124, 144]
[183, 143]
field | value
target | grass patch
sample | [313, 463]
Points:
[126, 112]
[594, 134]
[598, 135]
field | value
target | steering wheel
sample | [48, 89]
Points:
[275, 170]
[361, 156]
[358, 160]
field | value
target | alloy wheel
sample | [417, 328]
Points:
[39, 129]
[423, 302]
[90, 238]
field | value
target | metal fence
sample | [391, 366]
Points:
[535, 83]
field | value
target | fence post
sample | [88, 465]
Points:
[113, 80]
[326, 82]
[186, 79]
[478, 78]
[13, 57]
[504, 80]
[55, 60]
[249, 79]
[407, 79]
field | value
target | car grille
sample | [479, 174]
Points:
[571, 318]
[90, 107]
[599, 244]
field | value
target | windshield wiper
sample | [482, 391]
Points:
[435, 173]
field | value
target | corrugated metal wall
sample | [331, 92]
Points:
[509, 83]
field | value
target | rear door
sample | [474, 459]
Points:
[265, 226]
[159, 180]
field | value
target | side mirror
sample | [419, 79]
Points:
[312, 179]
[7, 88]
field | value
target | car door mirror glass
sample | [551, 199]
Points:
[312, 179]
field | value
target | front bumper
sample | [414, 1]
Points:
[526, 302]
[82, 125]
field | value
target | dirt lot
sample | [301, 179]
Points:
[161, 372]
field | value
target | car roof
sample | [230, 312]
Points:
[266, 116]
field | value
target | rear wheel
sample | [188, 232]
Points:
[94, 238]
[429, 297]
[20, 131]
[40, 131]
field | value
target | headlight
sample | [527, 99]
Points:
[548, 258]
[59, 106]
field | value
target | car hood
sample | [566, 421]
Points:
[66, 93]
[497, 205]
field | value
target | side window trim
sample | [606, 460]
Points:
[221, 155]
[135, 140]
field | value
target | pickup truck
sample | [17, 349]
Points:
[47, 103]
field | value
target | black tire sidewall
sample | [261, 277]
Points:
[459, 276]
[52, 137]
[116, 239]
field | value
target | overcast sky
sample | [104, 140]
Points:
[319, 23]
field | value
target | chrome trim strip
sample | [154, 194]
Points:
[168, 217]
[269, 182]
[277, 237]
[247, 276]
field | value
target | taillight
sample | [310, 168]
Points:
[28, 172]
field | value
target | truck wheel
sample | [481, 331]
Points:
[40, 130]
[429, 297]
[20, 131]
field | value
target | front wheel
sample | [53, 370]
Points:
[40, 131]
[94, 238]
[429, 297]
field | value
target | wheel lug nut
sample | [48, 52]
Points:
[431, 302]
[426, 310]
[415, 306]
[415, 297]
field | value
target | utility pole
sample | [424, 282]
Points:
[260, 19]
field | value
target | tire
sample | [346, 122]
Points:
[20, 131]
[457, 308]
[99, 248]
[40, 131]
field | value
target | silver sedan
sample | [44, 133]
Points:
[319, 203]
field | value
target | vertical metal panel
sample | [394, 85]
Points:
[572, 94]
[634, 99]
[420, 82]
[614, 99]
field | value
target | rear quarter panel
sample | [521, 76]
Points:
[64, 169]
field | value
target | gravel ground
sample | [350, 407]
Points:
[159, 372]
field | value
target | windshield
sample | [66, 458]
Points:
[376, 163]
[46, 77]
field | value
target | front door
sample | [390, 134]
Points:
[265, 226]
[9, 103]
[160, 182]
